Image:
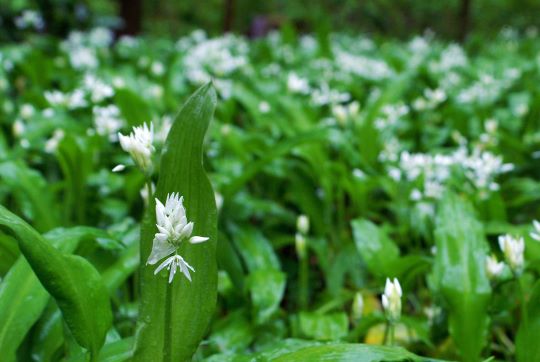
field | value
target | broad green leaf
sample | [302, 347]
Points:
[134, 109]
[375, 247]
[73, 282]
[323, 327]
[49, 330]
[232, 333]
[32, 193]
[173, 318]
[23, 298]
[117, 351]
[352, 353]
[527, 346]
[267, 287]
[459, 274]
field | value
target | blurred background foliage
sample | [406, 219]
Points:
[450, 19]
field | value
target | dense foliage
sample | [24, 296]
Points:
[336, 161]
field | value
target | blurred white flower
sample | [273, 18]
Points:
[157, 69]
[52, 143]
[29, 19]
[391, 299]
[357, 306]
[302, 224]
[18, 128]
[536, 233]
[494, 268]
[264, 107]
[173, 228]
[107, 121]
[295, 84]
[139, 145]
[513, 249]
[300, 245]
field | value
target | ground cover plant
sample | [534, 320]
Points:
[289, 198]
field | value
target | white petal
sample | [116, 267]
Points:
[163, 265]
[397, 286]
[119, 168]
[187, 230]
[160, 249]
[197, 239]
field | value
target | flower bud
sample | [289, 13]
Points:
[302, 224]
[391, 299]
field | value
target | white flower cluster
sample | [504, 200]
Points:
[451, 58]
[487, 89]
[390, 116]
[73, 100]
[494, 268]
[173, 229]
[480, 168]
[296, 84]
[107, 121]
[30, 19]
[139, 146]
[82, 48]
[431, 99]
[218, 57]
[98, 89]
[325, 95]
[362, 66]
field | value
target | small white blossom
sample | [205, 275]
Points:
[391, 299]
[119, 168]
[174, 262]
[173, 228]
[536, 233]
[139, 145]
[494, 268]
[513, 249]
[302, 224]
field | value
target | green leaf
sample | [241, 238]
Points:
[267, 287]
[173, 318]
[117, 351]
[323, 327]
[32, 193]
[459, 274]
[527, 346]
[352, 353]
[375, 247]
[134, 109]
[73, 282]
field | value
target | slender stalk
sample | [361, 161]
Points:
[303, 275]
[521, 291]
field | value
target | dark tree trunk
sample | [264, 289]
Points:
[464, 20]
[131, 14]
[228, 15]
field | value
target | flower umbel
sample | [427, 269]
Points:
[391, 299]
[513, 249]
[173, 228]
[139, 146]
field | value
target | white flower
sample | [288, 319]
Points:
[264, 107]
[493, 267]
[173, 262]
[302, 224]
[139, 145]
[391, 299]
[513, 249]
[536, 233]
[173, 228]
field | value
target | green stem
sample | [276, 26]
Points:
[521, 290]
[303, 271]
